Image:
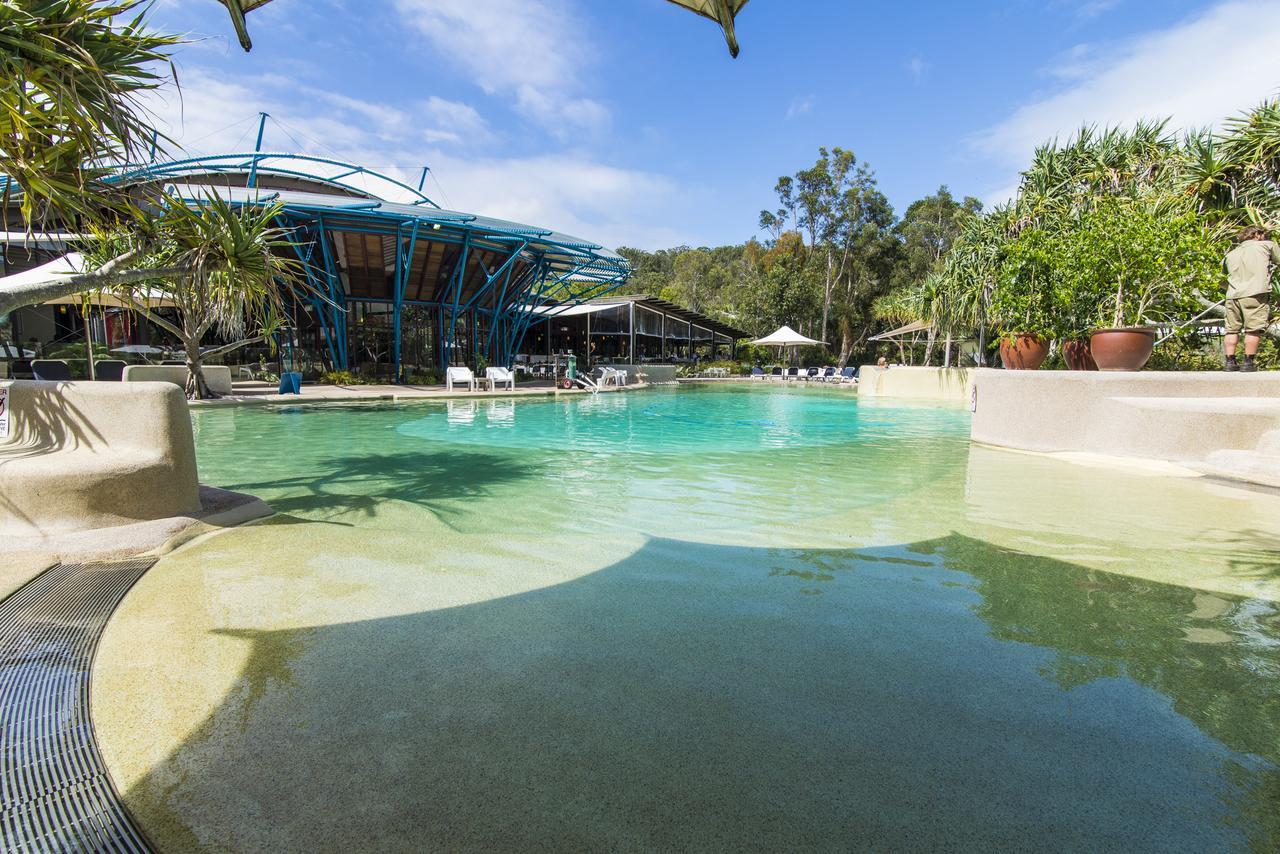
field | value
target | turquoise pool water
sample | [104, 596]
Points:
[734, 617]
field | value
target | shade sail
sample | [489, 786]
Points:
[912, 328]
[785, 336]
[722, 12]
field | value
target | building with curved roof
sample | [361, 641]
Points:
[398, 283]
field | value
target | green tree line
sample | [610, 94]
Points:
[830, 252]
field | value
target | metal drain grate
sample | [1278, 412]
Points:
[54, 792]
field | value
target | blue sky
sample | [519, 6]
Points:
[626, 122]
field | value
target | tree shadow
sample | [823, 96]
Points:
[42, 420]
[1255, 554]
[942, 694]
[361, 484]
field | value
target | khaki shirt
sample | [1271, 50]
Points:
[1249, 268]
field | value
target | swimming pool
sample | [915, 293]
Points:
[749, 617]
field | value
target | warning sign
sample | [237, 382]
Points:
[4, 412]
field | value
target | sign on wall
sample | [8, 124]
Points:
[4, 412]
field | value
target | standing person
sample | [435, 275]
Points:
[1249, 268]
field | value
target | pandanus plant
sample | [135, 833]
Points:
[231, 270]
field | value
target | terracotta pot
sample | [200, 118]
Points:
[1077, 355]
[1024, 353]
[1126, 349]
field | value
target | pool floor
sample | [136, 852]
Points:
[697, 618]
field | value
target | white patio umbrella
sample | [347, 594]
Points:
[139, 349]
[785, 338]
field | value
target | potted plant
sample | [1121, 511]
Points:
[1021, 306]
[1127, 265]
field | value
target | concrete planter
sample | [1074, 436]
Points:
[1123, 349]
[1025, 352]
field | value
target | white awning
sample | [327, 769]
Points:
[70, 264]
[571, 311]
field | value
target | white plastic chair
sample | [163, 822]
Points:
[459, 375]
[500, 375]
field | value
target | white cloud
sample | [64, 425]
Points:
[800, 106]
[533, 51]
[918, 68]
[1094, 8]
[568, 191]
[452, 121]
[1197, 73]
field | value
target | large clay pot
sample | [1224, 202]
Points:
[1126, 349]
[1024, 353]
[1077, 355]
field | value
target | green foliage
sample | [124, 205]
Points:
[343, 378]
[71, 73]
[1023, 299]
[1111, 228]
[430, 376]
[225, 268]
[1133, 262]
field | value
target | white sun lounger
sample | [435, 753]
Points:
[497, 376]
[459, 375]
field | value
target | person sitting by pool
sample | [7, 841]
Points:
[882, 362]
[1248, 269]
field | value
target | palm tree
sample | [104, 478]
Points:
[71, 72]
[69, 105]
[235, 269]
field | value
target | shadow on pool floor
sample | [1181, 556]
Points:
[944, 694]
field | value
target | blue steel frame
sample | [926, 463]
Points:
[559, 270]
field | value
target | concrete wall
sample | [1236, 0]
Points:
[1184, 417]
[217, 377]
[89, 455]
[943, 384]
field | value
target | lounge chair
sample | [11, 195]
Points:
[500, 375]
[849, 375]
[830, 375]
[109, 370]
[757, 373]
[791, 374]
[51, 370]
[459, 375]
[612, 375]
[776, 373]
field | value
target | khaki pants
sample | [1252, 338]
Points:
[1248, 314]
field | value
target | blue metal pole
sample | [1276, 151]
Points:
[335, 295]
[402, 273]
[257, 148]
[460, 276]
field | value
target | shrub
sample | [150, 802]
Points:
[341, 378]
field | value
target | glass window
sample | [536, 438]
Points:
[648, 321]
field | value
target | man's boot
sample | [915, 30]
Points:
[1231, 365]
[1249, 365]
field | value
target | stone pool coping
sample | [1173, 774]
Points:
[248, 393]
[28, 556]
